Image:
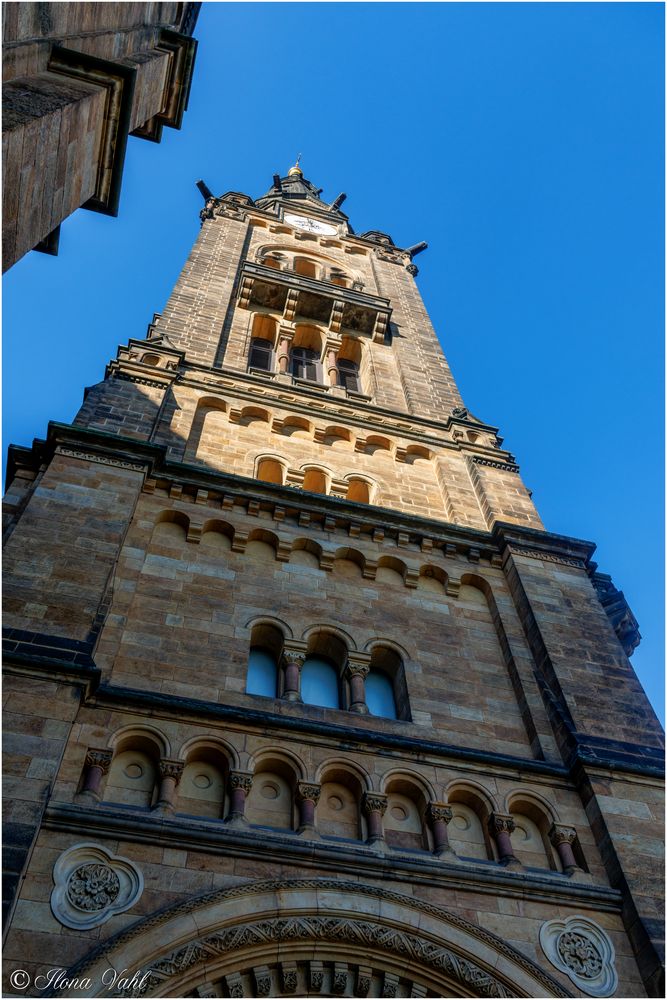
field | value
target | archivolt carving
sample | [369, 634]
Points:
[402, 935]
[362, 932]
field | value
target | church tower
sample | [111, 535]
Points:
[301, 696]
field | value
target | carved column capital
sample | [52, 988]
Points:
[560, 834]
[294, 656]
[356, 669]
[99, 758]
[171, 769]
[308, 790]
[240, 779]
[373, 802]
[438, 811]
[501, 823]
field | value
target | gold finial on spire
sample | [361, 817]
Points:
[296, 169]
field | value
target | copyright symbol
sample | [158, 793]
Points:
[20, 979]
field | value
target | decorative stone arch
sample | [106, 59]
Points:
[408, 775]
[342, 764]
[334, 630]
[284, 931]
[380, 640]
[520, 795]
[126, 734]
[215, 743]
[283, 755]
[472, 788]
[278, 623]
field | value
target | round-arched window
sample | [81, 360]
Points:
[319, 683]
[380, 695]
[262, 673]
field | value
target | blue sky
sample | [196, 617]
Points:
[523, 142]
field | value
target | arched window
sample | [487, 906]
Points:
[306, 267]
[270, 471]
[358, 491]
[380, 695]
[386, 689]
[261, 355]
[315, 481]
[305, 363]
[262, 673]
[319, 682]
[348, 375]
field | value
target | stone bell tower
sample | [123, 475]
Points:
[301, 696]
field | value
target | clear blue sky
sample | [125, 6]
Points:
[524, 142]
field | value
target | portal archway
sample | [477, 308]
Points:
[315, 937]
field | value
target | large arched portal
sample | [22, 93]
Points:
[312, 937]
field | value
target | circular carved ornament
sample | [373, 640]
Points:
[583, 951]
[579, 954]
[91, 885]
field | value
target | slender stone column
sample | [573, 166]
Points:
[356, 673]
[284, 341]
[500, 827]
[97, 764]
[332, 365]
[170, 775]
[240, 783]
[562, 838]
[307, 795]
[293, 661]
[439, 815]
[375, 807]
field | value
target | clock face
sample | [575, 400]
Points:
[310, 225]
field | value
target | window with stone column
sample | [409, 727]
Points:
[266, 645]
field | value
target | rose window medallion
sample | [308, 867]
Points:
[583, 951]
[93, 887]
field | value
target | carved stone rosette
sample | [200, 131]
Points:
[580, 948]
[91, 885]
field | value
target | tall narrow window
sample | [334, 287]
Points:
[262, 673]
[305, 363]
[261, 355]
[380, 695]
[348, 375]
[319, 683]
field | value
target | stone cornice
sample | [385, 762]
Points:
[316, 402]
[191, 833]
[96, 445]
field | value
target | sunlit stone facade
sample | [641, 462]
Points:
[301, 698]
